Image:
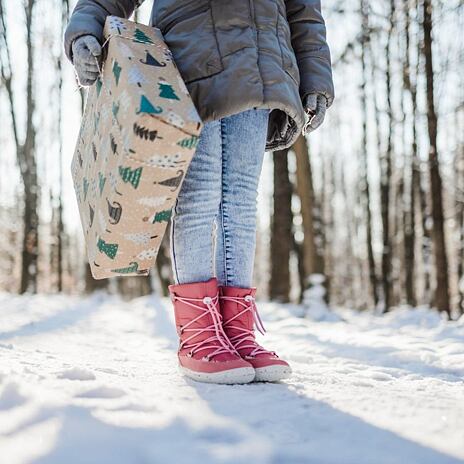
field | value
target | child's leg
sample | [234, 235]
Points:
[243, 148]
[193, 215]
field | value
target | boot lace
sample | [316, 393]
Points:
[245, 338]
[210, 308]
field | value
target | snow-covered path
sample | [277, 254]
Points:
[95, 381]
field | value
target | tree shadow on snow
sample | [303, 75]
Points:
[304, 430]
[256, 423]
[298, 429]
[83, 438]
[382, 357]
[66, 317]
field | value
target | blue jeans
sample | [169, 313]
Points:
[213, 222]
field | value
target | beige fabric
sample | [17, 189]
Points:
[138, 135]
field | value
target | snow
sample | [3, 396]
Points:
[94, 381]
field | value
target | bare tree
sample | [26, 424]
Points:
[312, 261]
[163, 263]
[442, 299]
[281, 230]
[386, 169]
[365, 189]
[25, 150]
[410, 203]
[60, 231]
[459, 206]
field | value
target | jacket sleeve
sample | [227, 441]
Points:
[88, 17]
[308, 34]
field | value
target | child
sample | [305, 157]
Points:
[252, 67]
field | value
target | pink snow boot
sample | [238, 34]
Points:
[240, 314]
[205, 353]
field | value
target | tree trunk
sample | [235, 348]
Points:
[426, 230]
[410, 212]
[130, 287]
[459, 205]
[312, 250]
[305, 191]
[29, 253]
[386, 174]
[91, 284]
[281, 230]
[442, 299]
[163, 263]
[60, 232]
[365, 190]
[409, 246]
[30, 248]
[25, 151]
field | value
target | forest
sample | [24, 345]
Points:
[359, 267]
[369, 209]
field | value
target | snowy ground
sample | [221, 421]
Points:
[95, 381]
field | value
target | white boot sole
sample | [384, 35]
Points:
[272, 373]
[240, 375]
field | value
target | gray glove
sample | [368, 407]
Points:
[86, 52]
[315, 106]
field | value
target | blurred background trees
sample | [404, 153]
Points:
[369, 210]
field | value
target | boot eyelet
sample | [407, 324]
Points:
[207, 299]
[249, 298]
[189, 354]
[206, 358]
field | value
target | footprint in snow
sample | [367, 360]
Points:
[76, 373]
[11, 397]
[107, 370]
[8, 346]
[381, 376]
[362, 383]
[102, 392]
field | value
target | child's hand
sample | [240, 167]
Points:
[87, 52]
[315, 107]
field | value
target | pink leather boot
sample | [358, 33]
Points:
[240, 315]
[205, 353]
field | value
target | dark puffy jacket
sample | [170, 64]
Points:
[235, 54]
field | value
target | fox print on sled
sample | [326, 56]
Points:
[138, 134]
